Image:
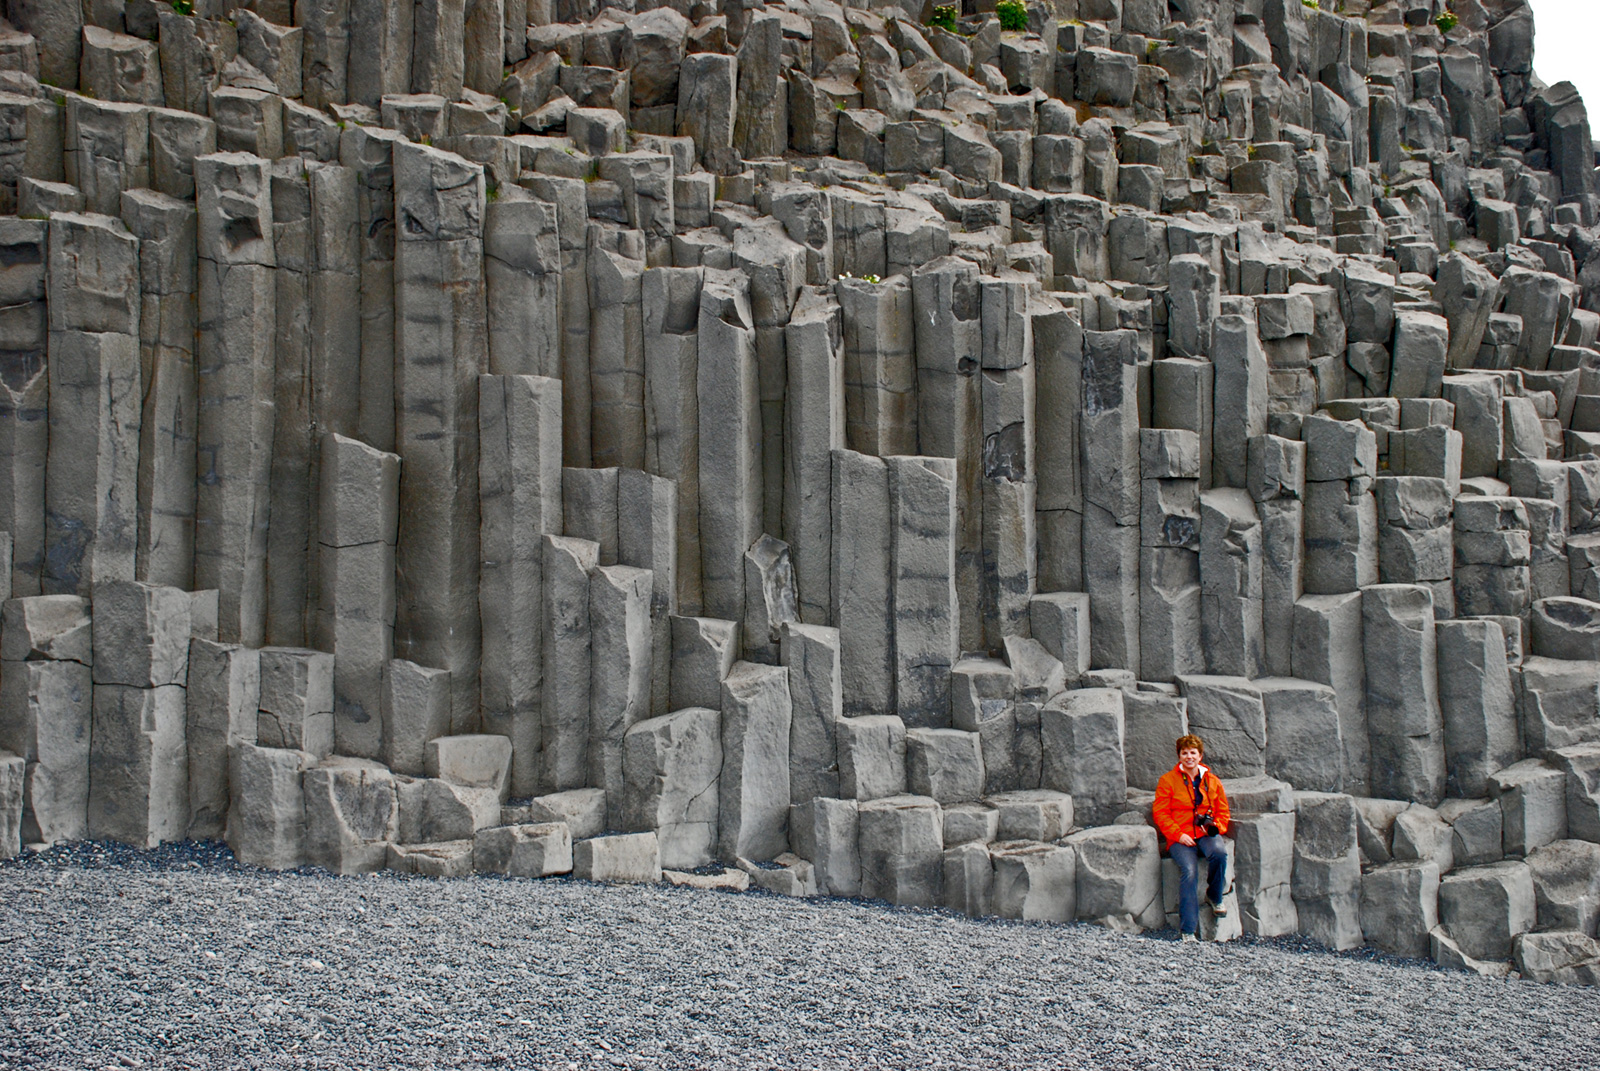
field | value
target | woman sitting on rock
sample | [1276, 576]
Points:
[1191, 811]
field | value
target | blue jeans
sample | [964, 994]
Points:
[1188, 860]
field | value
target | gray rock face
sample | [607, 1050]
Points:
[296, 700]
[138, 765]
[712, 426]
[1566, 885]
[223, 694]
[1228, 714]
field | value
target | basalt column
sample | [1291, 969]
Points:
[519, 484]
[238, 315]
[90, 523]
[167, 232]
[24, 394]
[441, 347]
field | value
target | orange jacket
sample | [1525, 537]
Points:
[1174, 809]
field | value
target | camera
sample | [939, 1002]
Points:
[1205, 821]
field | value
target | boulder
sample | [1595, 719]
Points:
[902, 850]
[1566, 885]
[1119, 876]
[1034, 882]
[621, 858]
[1483, 908]
[1400, 907]
[523, 851]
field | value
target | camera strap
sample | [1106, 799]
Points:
[1199, 796]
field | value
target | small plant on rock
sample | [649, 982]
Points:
[183, 7]
[1447, 21]
[1013, 15]
[944, 17]
[1314, 5]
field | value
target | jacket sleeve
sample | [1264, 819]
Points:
[1219, 808]
[1164, 811]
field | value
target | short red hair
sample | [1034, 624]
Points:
[1189, 740]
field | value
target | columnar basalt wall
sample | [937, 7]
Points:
[844, 443]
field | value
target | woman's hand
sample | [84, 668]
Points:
[1186, 840]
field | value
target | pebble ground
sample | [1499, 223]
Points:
[182, 958]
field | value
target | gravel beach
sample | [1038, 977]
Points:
[180, 957]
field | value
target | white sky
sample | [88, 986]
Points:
[1566, 48]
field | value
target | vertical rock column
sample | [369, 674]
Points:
[730, 443]
[922, 514]
[1009, 465]
[776, 268]
[325, 51]
[1058, 498]
[947, 304]
[1230, 583]
[223, 695]
[814, 429]
[24, 396]
[438, 59]
[317, 386]
[519, 494]
[880, 370]
[441, 347]
[522, 273]
[380, 61]
[565, 699]
[1404, 723]
[1169, 554]
[1341, 517]
[291, 568]
[369, 152]
[616, 359]
[761, 124]
[570, 197]
[107, 151]
[671, 299]
[234, 426]
[360, 489]
[647, 538]
[1110, 457]
[1277, 483]
[862, 576]
[45, 711]
[619, 680]
[1239, 408]
[91, 475]
[167, 231]
[138, 761]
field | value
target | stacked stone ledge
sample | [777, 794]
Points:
[817, 442]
